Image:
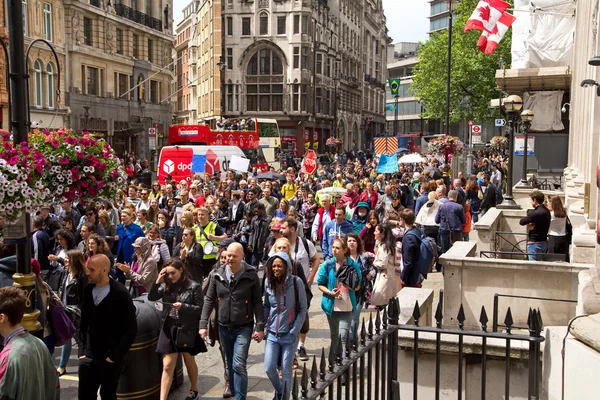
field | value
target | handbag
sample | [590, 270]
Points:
[185, 338]
[347, 276]
[61, 326]
[569, 230]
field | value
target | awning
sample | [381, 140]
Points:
[515, 81]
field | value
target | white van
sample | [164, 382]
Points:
[177, 160]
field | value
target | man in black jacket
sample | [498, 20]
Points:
[239, 314]
[539, 224]
[411, 276]
[108, 328]
[490, 196]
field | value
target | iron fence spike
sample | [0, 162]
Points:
[416, 313]
[508, 320]
[439, 315]
[322, 365]
[540, 321]
[377, 322]
[331, 358]
[384, 324]
[347, 352]
[295, 386]
[338, 351]
[483, 319]
[304, 381]
[313, 373]
[363, 333]
[461, 317]
[370, 331]
[529, 317]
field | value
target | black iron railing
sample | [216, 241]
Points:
[138, 16]
[496, 325]
[369, 368]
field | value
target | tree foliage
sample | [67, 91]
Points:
[472, 83]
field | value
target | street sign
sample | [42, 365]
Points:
[470, 122]
[310, 162]
[152, 142]
[476, 129]
[500, 122]
[151, 131]
[476, 139]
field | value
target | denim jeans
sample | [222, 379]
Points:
[355, 320]
[445, 242]
[236, 343]
[534, 248]
[256, 258]
[339, 325]
[284, 346]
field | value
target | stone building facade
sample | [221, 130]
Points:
[184, 36]
[4, 121]
[301, 62]
[119, 70]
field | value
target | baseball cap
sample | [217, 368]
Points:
[276, 226]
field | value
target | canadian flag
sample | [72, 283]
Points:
[488, 42]
[486, 15]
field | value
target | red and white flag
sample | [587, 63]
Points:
[486, 15]
[496, 36]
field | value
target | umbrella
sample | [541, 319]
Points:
[271, 176]
[410, 159]
[402, 150]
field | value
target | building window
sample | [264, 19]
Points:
[135, 46]
[25, 17]
[328, 67]
[91, 78]
[150, 51]
[48, 22]
[50, 78]
[154, 92]
[229, 97]
[87, 31]
[304, 57]
[264, 24]
[122, 86]
[319, 63]
[149, 8]
[134, 5]
[318, 103]
[296, 57]
[37, 68]
[229, 58]
[119, 40]
[281, 25]
[246, 26]
[267, 96]
[296, 98]
[305, 24]
[229, 26]
[296, 24]
[303, 104]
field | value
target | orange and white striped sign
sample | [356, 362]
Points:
[386, 145]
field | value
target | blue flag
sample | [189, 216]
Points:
[387, 164]
[198, 163]
[390, 107]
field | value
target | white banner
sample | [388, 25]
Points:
[240, 164]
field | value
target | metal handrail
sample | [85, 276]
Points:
[495, 324]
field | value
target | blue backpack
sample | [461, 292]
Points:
[428, 252]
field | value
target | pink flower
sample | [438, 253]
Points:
[100, 185]
[70, 140]
[13, 160]
[64, 160]
[54, 143]
[84, 184]
[80, 155]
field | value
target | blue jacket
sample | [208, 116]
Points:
[330, 230]
[127, 235]
[283, 314]
[421, 201]
[451, 216]
[410, 253]
[359, 222]
[326, 277]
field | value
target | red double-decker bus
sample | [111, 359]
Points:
[258, 138]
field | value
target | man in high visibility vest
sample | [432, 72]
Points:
[208, 231]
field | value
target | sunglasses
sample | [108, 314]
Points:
[185, 234]
[90, 214]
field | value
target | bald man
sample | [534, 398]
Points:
[108, 328]
[240, 313]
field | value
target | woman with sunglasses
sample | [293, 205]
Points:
[156, 191]
[160, 250]
[184, 300]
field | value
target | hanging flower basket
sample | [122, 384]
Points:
[82, 168]
[499, 143]
[446, 145]
[21, 188]
[332, 141]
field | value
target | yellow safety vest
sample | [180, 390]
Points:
[201, 239]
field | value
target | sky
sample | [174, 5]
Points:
[406, 19]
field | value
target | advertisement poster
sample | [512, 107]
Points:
[520, 145]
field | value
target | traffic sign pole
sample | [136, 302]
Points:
[470, 150]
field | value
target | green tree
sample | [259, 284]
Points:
[473, 82]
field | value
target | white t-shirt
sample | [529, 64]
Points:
[302, 255]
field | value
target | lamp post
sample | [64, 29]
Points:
[526, 118]
[449, 67]
[512, 106]
[222, 66]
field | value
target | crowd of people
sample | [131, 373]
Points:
[232, 259]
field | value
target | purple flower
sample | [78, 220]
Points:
[54, 143]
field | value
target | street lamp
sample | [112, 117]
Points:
[512, 106]
[526, 118]
[222, 66]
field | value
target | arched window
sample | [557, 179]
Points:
[37, 68]
[268, 95]
[50, 77]
[263, 28]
